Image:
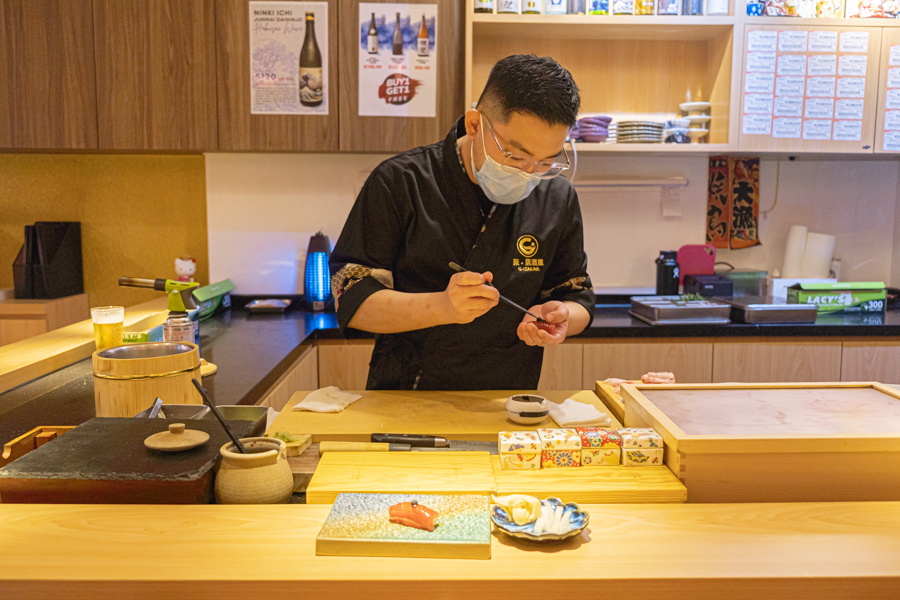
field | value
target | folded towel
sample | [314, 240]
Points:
[328, 399]
[578, 414]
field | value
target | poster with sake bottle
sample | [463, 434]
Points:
[397, 60]
[289, 58]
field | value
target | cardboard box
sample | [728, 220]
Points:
[848, 297]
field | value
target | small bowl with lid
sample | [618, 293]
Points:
[527, 409]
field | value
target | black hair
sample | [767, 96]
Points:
[525, 83]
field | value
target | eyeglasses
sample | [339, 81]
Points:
[541, 169]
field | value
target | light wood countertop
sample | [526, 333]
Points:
[817, 550]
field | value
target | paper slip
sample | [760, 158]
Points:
[894, 56]
[789, 106]
[758, 104]
[759, 83]
[819, 108]
[816, 129]
[762, 41]
[851, 87]
[851, 109]
[790, 86]
[852, 64]
[893, 78]
[786, 128]
[763, 62]
[820, 87]
[792, 64]
[757, 125]
[891, 141]
[891, 99]
[892, 120]
[847, 131]
[854, 41]
[792, 41]
[823, 41]
[822, 65]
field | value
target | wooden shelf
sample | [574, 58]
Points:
[654, 148]
[602, 27]
[795, 21]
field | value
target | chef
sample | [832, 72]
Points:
[488, 197]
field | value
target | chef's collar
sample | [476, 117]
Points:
[451, 150]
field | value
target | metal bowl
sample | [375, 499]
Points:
[146, 350]
[502, 521]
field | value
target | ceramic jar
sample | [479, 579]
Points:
[262, 476]
[527, 409]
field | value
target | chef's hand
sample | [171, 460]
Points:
[553, 332]
[467, 297]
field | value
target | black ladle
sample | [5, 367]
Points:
[205, 395]
[460, 269]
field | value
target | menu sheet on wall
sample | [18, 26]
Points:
[892, 103]
[810, 85]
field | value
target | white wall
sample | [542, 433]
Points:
[262, 208]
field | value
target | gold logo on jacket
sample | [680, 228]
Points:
[527, 246]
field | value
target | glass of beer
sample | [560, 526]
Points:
[108, 326]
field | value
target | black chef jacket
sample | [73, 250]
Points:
[417, 212]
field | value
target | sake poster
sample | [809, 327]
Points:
[289, 58]
[397, 60]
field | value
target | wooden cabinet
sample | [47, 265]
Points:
[303, 375]
[240, 130]
[562, 367]
[22, 319]
[691, 362]
[871, 361]
[392, 134]
[344, 364]
[156, 74]
[47, 82]
[776, 361]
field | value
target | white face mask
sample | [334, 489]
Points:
[502, 184]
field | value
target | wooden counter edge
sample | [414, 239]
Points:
[37, 356]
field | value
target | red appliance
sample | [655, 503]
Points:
[696, 259]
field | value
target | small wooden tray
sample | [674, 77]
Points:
[32, 440]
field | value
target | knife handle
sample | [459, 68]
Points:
[416, 440]
[360, 447]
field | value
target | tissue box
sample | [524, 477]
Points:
[560, 448]
[519, 450]
[642, 457]
[599, 447]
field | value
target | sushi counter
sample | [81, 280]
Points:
[634, 532]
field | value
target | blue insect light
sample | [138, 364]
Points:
[317, 284]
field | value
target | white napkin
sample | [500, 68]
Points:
[578, 414]
[328, 399]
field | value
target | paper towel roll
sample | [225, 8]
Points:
[793, 251]
[817, 258]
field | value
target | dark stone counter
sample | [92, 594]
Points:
[253, 351]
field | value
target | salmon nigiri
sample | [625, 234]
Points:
[413, 514]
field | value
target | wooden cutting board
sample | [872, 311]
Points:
[597, 485]
[478, 416]
[401, 472]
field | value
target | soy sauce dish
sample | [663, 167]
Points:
[527, 409]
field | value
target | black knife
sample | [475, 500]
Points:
[414, 440]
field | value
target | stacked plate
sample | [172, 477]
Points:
[637, 132]
[613, 133]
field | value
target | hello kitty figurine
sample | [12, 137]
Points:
[185, 268]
